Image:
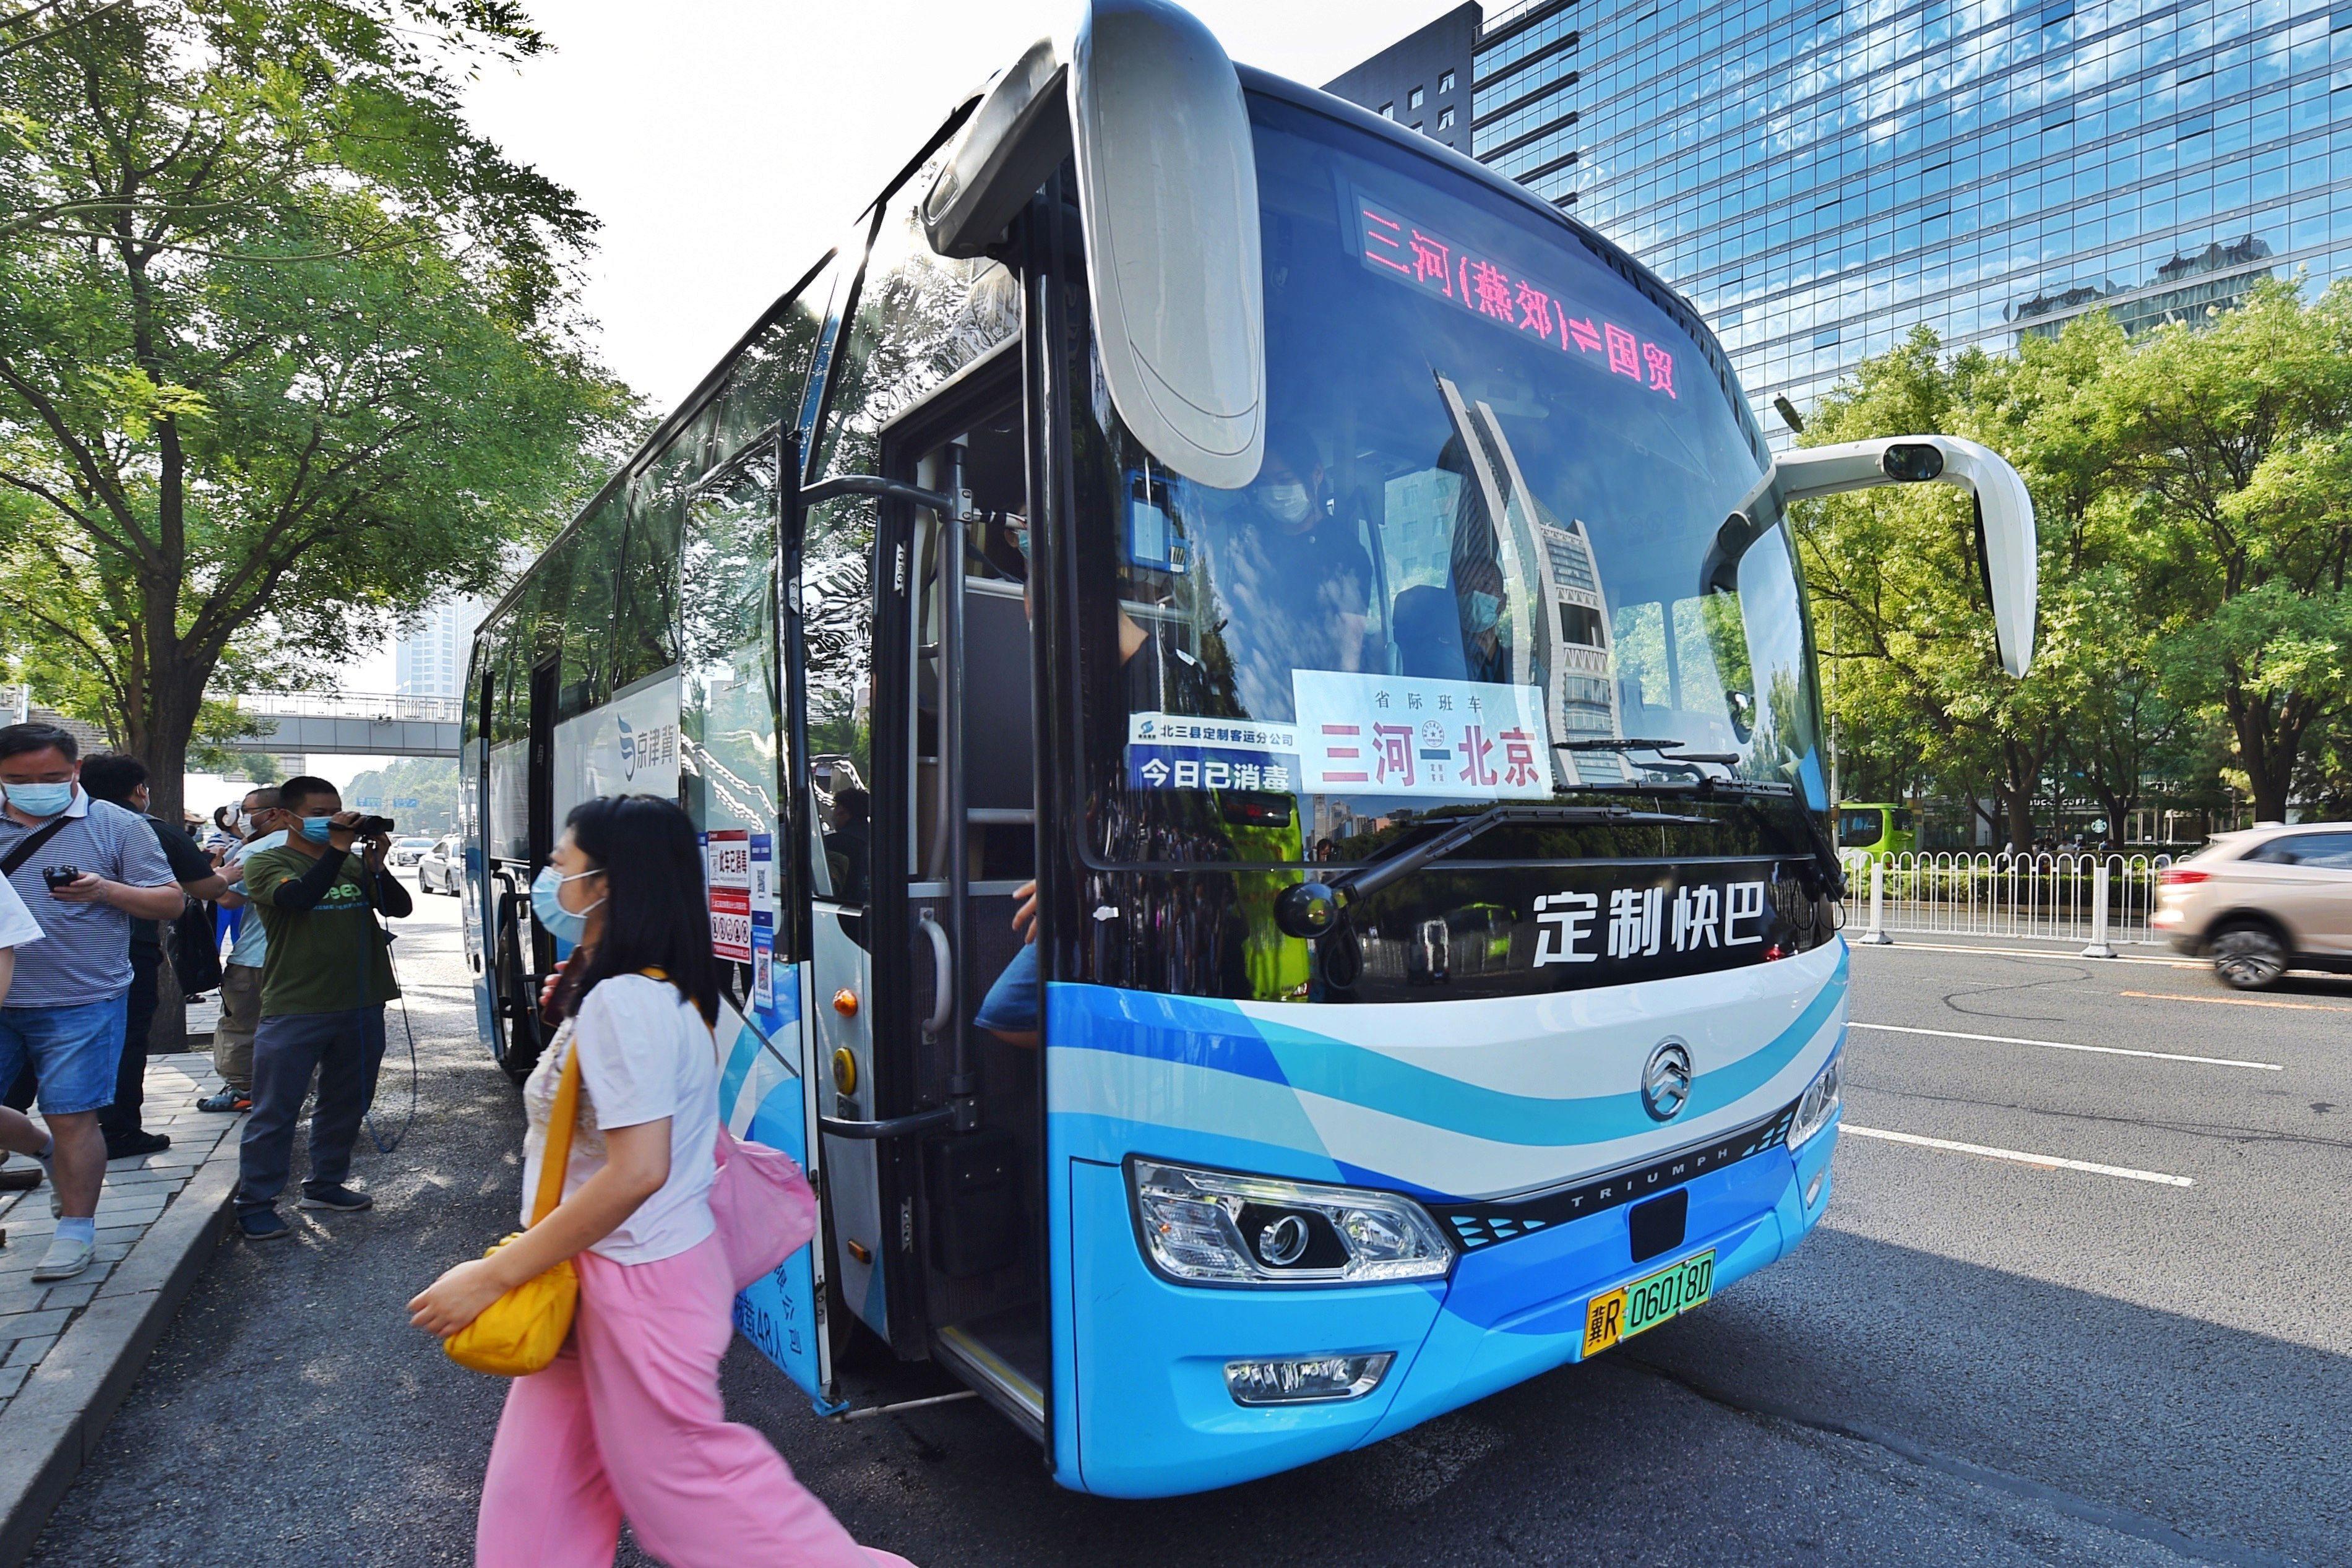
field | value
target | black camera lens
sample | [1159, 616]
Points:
[1912, 462]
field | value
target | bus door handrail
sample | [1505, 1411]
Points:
[961, 1112]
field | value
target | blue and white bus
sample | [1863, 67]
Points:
[1359, 599]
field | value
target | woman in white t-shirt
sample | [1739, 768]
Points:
[627, 1419]
[17, 927]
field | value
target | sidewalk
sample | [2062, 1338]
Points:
[69, 1352]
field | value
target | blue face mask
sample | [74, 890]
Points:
[564, 925]
[40, 799]
[316, 828]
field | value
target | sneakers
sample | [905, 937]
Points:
[229, 1100]
[136, 1144]
[341, 1200]
[262, 1225]
[63, 1260]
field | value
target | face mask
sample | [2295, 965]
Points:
[1484, 611]
[547, 907]
[40, 799]
[316, 828]
[1284, 502]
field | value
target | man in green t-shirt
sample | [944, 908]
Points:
[323, 986]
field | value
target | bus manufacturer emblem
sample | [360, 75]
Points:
[1666, 1080]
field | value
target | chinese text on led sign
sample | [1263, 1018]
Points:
[1418, 255]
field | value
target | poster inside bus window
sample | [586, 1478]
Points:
[1176, 751]
[726, 860]
[1155, 536]
[1399, 734]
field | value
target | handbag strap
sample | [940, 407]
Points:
[31, 846]
[556, 1157]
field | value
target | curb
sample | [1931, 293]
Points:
[57, 1418]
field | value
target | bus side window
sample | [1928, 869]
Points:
[731, 761]
[836, 634]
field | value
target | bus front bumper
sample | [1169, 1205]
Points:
[1151, 1409]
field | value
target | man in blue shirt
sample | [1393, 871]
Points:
[86, 870]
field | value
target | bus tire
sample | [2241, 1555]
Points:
[519, 1039]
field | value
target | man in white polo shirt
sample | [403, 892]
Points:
[86, 870]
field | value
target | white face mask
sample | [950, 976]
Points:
[1485, 609]
[1284, 502]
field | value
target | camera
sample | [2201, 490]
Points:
[367, 824]
[60, 876]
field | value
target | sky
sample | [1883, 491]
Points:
[725, 143]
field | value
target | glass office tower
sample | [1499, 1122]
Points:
[1821, 177]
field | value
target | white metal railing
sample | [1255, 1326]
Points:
[2087, 897]
[383, 707]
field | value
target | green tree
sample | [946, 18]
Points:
[2231, 458]
[284, 347]
[430, 781]
[1897, 577]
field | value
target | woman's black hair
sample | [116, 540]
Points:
[656, 916]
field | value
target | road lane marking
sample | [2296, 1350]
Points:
[2050, 953]
[2239, 1001]
[2070, 1046]
[2019, 1156]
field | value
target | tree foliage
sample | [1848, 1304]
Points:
[2195, 518]
[284, 346]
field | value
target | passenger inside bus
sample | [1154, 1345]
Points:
[1297, 566]
[1011, 1009]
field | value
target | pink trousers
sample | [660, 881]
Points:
[627, 1420]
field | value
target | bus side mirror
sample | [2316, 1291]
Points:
[2008, 544]
[1168, 198]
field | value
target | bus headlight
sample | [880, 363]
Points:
[1212, 1227]
[1817, 1104]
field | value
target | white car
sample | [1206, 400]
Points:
[408, 851]
[2261, 902]
[442, 867]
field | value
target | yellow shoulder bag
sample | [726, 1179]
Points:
[521, 1331]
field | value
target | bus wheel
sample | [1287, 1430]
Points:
[519, 1040]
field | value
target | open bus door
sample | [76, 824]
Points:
[914, 648]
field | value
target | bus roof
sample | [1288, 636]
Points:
[1253, 79]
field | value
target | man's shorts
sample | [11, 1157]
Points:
[74, 1051]
[1011, 1006]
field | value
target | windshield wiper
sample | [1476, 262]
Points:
[1747, 792]
[1671, 756]
[1312, 908]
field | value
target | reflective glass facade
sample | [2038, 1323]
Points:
[1821, 177]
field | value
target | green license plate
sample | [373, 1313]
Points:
[1648, 1302]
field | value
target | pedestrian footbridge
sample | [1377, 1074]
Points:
[349, 723]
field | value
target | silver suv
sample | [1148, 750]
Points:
[2263, 902]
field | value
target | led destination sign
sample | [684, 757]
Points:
[1413, 253]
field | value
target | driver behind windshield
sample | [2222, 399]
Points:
[1294, 573]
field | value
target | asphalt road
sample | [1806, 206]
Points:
[1973, 1360]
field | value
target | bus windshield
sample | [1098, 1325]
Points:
[1487, 550]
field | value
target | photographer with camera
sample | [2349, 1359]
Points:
[324, 981]
[87, 870]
